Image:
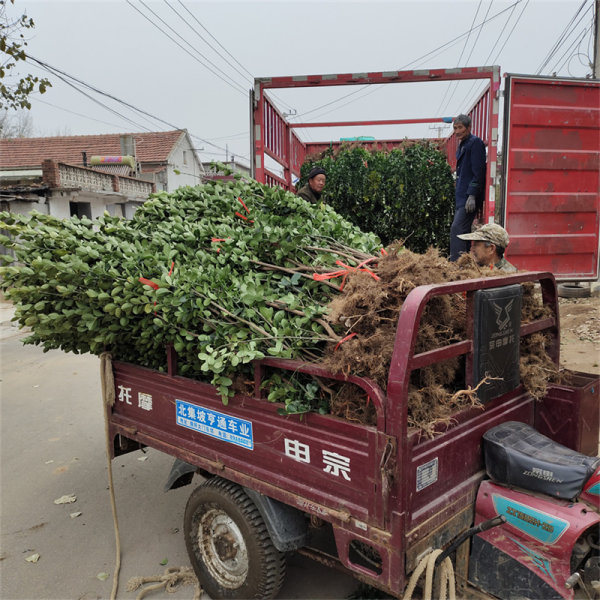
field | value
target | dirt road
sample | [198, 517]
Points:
[580, 333]
[52, 440]
[52, 445]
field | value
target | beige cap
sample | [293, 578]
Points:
[490, 232]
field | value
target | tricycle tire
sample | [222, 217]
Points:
[229, 545]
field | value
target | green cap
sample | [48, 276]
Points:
[490, 232]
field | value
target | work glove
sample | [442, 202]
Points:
[470, 205]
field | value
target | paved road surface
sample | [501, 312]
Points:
[52, 444]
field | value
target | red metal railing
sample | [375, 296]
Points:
[274, 136]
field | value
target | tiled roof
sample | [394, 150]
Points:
[30, 152]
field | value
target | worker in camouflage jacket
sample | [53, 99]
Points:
[311, 192]
[470, 183]
[488, 244]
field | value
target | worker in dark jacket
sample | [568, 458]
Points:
[470, 183]
[311, 192]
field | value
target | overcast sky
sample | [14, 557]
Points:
[115, 47]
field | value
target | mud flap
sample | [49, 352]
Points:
[181, 474]
[287, 525]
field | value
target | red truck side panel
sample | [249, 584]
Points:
[552, 175]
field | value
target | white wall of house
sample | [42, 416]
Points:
[184, 167]
[115, 210]
[21, 207]
[129, 209]
[58, 206]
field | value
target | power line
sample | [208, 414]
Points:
[577, 40]
[228, 81]
[216, 40]
[372, 89]
[468, 94]
[470, 54]
[208, 43]
[56, 73]
[511, 32]
[36, 99]
[558, 42]
[232, 136]
[479, 33]
[221, 45]
[438, 111]
[131, 106]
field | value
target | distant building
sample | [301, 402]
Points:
[166, 158]
[233, 165]
[80, 175]
[64, 190]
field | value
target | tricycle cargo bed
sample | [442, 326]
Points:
[388, 487]
[327, 459]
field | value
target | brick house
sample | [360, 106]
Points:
[55, 175]
[166, 158]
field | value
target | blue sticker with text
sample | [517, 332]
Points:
[539, 525]
[215, 424]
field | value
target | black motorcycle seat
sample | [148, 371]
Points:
[517, 455]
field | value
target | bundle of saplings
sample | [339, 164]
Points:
[224, 271]
[232, 272]
[406, 193]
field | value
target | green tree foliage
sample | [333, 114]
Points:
[223, 279]
[403, 194]
[15, 88]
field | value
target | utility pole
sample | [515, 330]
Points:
[596, 69]
[440, 128]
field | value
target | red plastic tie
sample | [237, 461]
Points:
[171, 269]
[345, 272]
[383, 252]
[148, 282]
[238, 214]
[242, 203]
[152, 285]
[344, 340]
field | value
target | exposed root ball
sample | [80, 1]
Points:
[370, 308]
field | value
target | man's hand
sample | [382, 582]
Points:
[470, 205]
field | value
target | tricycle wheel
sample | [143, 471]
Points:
[229, 545]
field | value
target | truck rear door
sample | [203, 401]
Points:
[551, 175]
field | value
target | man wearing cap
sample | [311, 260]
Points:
[488, 244]
[311, 192]
[470, 183]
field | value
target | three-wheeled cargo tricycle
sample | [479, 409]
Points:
[510, 492]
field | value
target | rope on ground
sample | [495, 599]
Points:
[107, 379]
[108, 399]
[447, 582]
[170, 580]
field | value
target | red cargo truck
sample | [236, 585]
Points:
[550, 175]
[518, 512]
